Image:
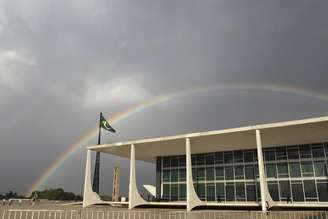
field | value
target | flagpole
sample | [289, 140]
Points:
[95, 184]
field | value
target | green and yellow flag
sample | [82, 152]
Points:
[105, 125]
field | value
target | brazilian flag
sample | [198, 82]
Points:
[105, 125]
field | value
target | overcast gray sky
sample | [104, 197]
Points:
[62, 62]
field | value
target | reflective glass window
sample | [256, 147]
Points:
[320, 168]
[323, 191]
[230, 192]
[219, 173]
[273, 190]
[318, 151]
[310, 190]
[271, 170]
[182, 191]
[193, 159]
[194, 174]
[269, 155]
[182, 175]
[166, 161]
[200, 173]
[281, 153]
[174, 191]
[228, 173]
[292, 153]
[210, 192]
[166, 175]
[307, 168]
[282, 169]
[166, 191]
[210, 173]
[285, 190]
[174, 161]
[238, 156]
[249, 172]
[220, 192]
[248, 156]
[228, 157]
[240, 191]
[294, 169]
[200, 159]
[251, 192]
[174, 175]
[326, 149]
[201, 190]
[218, 157]
[209, 159]
[297, 191]
[305, 151]
[182, 161]
[239, 172]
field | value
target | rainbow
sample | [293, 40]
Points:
[88, 136]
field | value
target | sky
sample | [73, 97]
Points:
[63, 62]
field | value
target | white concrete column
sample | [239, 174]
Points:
[192, 198]
[89, 196]
[266, 200]
[135, 198]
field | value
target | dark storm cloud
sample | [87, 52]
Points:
[63, 62]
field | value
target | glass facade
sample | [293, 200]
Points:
[294, 174]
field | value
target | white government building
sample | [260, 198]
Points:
[273, 165]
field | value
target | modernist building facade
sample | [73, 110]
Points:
[281, 164]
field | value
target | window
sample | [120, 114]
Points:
[320, 168]
[322, 190]
[182, 175]
[174, 161]
[271, 170]
[249, 172]
[210, 173]
[230, 192]
[174, 191]
[239, 172]
[228, 157]
[182, 161]
[294, 170]
[310, 190]
[209, 159]
[210, 192]
[251, 192]
[182, 191]
[166, 175]
[194, 174]
[281, 153]
[201, 190]
[285, 191]
[318, 151]
[305, 151]
[273, 190]
[174, 175]
[269, 155]
[238, 156]
[200, 159]
[307, 168]
[220, 192]
[282, 169]
[219, 173]
[200, 173]
[166, 191]
[193, 159]
[166, 161]
[297, 191]
[240, 191]
[248, 156]
[218, 157]
[228, 172]
[292, 153]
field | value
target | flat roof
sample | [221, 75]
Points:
[304, 131]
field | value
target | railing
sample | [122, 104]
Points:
[156, 214]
